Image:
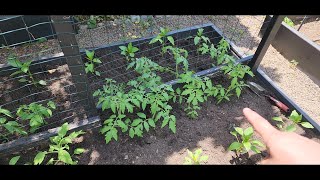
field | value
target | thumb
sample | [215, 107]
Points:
[261, 125]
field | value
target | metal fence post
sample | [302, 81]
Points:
[267, 38]
[68, 43]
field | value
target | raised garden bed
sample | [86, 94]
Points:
[217, 120]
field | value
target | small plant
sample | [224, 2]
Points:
[162, 37]
[92, 22]
[244, 142]
[195, 158]
[199, 38]
[24, 68]
[129, 51]
[11, 126]
[194, 91]
[288, 21]
[294, 63]
[59, 146]
[35, 113]
[296, 119]
[180, 56]
[91, 63]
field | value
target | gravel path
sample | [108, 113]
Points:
[311, 30]
[298, 86]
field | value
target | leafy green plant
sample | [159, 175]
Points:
[180, 56]
[236, 73]
[195, 158]
[288, 21]
[194, 91]
[60, 146]
[89, 66]
[24, 68]
[11, 126]
[35, 114]
[244, 142]
[294, 63]
[145, 94]
[92, 22]
[129, 51]
[58, 149]
[296, 119]
[162, 38]
[200, 38]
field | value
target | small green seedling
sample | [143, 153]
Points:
[296, 119]
[91, 63]
[200, 38]
[35, 113]
[294, 63]
[11, 126]
[24, 68]
[162, 37]
[129, 52]
[244, 142]
[92, 22]
[60, 146]
[195, 158]
[288, 21]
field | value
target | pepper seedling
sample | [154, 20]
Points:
[24, 68]
[195, 158]
[129, 51]
[296, 119]
[89, 66]
[244, 142]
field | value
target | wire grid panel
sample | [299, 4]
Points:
[107, 35]
[48, 64]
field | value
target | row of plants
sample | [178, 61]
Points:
[142, 103]
[34, 113]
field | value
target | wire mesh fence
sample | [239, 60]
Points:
[48, 64]
[106, 36]
[58, 63]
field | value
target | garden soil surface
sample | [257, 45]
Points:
[210, 132]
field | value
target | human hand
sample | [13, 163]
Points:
[283, 147]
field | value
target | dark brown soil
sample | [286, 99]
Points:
[210, 131]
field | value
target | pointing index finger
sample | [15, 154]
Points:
[261, 125]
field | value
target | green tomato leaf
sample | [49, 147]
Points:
[146, 126]
[151, 123]
[170, 38]
[131, 132]
[172, 126]
[142, 115]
